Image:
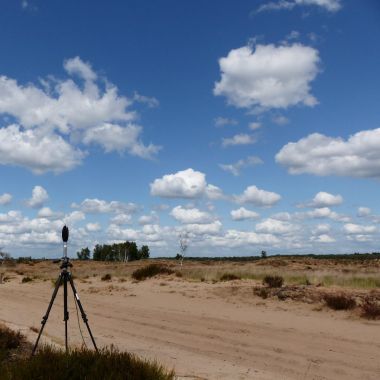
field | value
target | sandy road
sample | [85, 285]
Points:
[192, 328]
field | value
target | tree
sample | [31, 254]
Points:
[183, 245]
[84, 254]
[263, 254]
[144, 252]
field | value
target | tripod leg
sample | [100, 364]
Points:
[84, 316]
[65, 309]
[46, 316]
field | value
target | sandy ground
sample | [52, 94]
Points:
[204, 330]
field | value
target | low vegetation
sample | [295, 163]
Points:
[26, 279]
[106, 277]
[370, 309]
[51, 363]
[339, 301]
[151, 270]
[229, 277]
[273, 281]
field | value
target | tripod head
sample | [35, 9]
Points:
[65, 260]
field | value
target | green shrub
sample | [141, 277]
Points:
[50, 363]
[229, 277]
[151, 270]
[339, 301]
[273, 281]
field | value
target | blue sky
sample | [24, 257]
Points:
[241, 125]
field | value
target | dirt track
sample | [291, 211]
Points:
[204, 334]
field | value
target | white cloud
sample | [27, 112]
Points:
[269, 76]
[280, 120]
[223, 121]
[36, 150]
[214, 192]
[48, 213]
[258, 197]
[323, 199]
[187, 183]
[151, 102]
[239, 139]
[329, 5]
[120, 138]
[121, 219]
[243, 214]
[5, 199]
[235, 238]
[276, 227]
[99, 206]
[284, 216]
[190, 215]
[364, 211]
[39, 197]
[317, 154]
[323, 212]
[148, 219]
[323, 238]
[59, 114]
[254, 126]
[321, 229]
[351, 228]
[93, 227]
[236, 167]
[213, 228]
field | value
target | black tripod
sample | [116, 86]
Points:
[64, 278]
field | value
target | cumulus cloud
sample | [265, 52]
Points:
[148, 219]
[93, 227]
[269, 76]
[187, 183]
[48, 213]
[351, 228]
[254, 125]
[323, 212]
[236, 167]
[5, 199]
[328, 5]
[235, 238]
[114, 137]
[121, 219]
[151, 102]
[36, 150]
[358, 156]
[258, 197]
[52, 118]
[239, 139]
[324, 199]
[223, 121]
[213, 228]
[39, 197]
[323, 238]
[364, 211]
[190, 215]
[276, 227]
[99, 206]
[243, 214]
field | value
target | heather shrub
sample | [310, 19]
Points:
[151, 270]
[273, 281]
[339, 301]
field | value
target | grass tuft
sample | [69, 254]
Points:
[273, 281]
[26, 279]
[106, 277]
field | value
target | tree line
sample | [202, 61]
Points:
[127, 251]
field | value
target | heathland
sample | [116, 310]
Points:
[274, 318]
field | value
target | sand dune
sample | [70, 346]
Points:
[206, 331]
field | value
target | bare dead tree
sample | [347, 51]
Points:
[183, 245]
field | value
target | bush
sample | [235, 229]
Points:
[273, 281]
[339, 301]
[229, 277]
[151, 270]
[106, 277]
[26, 279]
[370, 309]
[50, 363]
[9, 340]
[262, 292]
